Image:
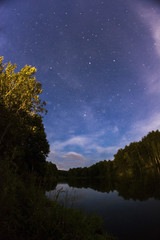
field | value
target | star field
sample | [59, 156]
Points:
[98, 62]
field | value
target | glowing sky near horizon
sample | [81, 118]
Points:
[99, 65]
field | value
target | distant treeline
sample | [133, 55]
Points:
[136, 160]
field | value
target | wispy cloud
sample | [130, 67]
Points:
[77, 140]
[73, 156]
[142, 127]
[153, 81]
[107, 150]
[85, 141]
[67, 160]
[82, 150]
[90, 148]
[151, 20]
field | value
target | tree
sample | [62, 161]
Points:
[22, 136]
[20, 91]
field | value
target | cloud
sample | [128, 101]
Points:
[143, 127]
[151, 19]
[77, 140]
[107, 150]
[115, 129]
[153, 81]
[83, 150]
[73, 156]
[87, 142]
[67, 160]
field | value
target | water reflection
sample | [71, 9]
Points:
[136, 189]
[130, 209]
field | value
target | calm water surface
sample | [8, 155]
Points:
[126, 219]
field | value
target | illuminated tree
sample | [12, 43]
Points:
[22, 136]
[20, 91]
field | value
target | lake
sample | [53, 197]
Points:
[125, 218]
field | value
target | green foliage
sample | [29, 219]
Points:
[20, 91]
[140, 157]
[100, 169]
[22, 136]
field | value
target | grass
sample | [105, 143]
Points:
[27, 214]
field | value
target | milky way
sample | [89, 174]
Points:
[99, 65]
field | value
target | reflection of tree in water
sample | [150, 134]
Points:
[129, 188]
[99, 184]
[139, 189]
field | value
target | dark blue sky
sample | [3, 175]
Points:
[99, 65]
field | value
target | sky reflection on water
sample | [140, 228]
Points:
[127, 219]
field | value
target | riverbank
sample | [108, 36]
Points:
[27, 214]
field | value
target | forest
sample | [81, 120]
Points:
[134, 161]
[25, 174]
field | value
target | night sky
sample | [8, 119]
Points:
[99, 65]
